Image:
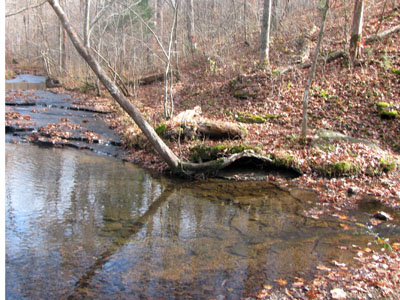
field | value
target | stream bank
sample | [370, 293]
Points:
[50, 119]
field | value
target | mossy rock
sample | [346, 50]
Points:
[252, 118]
[285, 160]
[339, 169]
[382, 105]
[386, 111]
[205, 153]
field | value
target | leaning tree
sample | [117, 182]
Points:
[176, 165]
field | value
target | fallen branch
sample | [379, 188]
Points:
[220, 163]
[341, 54]
[332, 57]
[382, 35]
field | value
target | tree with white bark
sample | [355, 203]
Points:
[265, 32]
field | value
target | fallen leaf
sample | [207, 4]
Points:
[338, 294]
[267, 287]
[376, 222]
[281, 282]
[344, 226]
[323, 268]
[396, 246]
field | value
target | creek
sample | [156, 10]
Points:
[82, 225]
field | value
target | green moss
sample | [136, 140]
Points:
[276, 72]
[285, 160]
[339, 169]
[397, 72]
[161, 129]
[385, 111]
[249, 118]
[241, 95]
[252, 118]
[387, 165]
[205, 153]
[382, 105]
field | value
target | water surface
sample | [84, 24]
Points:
[26, 82]
[85, 226]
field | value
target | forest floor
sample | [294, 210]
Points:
[269, 106]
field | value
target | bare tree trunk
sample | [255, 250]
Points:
[159, 18]
[356, 29]
[63, 54]
[245, 20]
[190, 25]
[274, 15]
[169, 157]
[312, 72]
[265, 32]
[86, 24]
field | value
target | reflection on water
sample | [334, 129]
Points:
[25, 82]
[80, 225]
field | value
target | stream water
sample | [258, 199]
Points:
[81, 225]
[85, 226]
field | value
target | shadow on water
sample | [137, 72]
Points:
[84, 226]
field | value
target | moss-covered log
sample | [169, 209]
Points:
[221, 130]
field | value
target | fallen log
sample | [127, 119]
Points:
[190, 124]
[149, 79]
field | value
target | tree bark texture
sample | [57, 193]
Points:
[356, 29]
[190, 25]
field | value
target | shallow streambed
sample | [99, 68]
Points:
[80, 225]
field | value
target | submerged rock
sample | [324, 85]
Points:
[383, 216]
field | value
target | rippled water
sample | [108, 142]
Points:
[85, 226]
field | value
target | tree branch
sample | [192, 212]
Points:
[24, 9]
